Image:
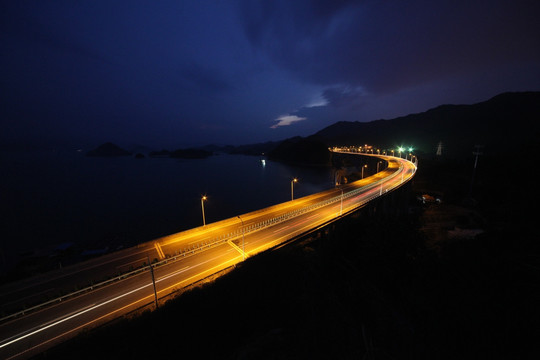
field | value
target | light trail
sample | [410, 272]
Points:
[262, 230]
[58, 321]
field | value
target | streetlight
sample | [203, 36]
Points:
[365, 166]
[400, 150]
[202, 208]
[243, 240]
[292, 187]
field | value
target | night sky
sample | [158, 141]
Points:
[169, 74]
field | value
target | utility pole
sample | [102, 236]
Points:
[153, 280]
[476, 153]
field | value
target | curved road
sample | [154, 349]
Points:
[180, 259]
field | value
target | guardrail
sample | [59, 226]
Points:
[192, 249]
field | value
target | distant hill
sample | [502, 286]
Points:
[500, 124]
[108, 150]
[302, 151]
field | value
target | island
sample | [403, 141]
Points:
[108, 150]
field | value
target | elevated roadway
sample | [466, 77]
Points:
[179, 260]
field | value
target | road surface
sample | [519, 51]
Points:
[180, 259]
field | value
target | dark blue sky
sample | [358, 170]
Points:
[182, 73]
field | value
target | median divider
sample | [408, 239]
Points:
[191, 249]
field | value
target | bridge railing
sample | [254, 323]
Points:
[191, 249]
[232, 235]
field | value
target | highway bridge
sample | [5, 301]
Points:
[177, 261]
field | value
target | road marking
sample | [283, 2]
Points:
[93, 307]
[363, 195]
[73, 316]
[172, 274]
[235, 247]
[281, 228]
[159, 251]
[140, 262]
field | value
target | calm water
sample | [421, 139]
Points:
[50, 198]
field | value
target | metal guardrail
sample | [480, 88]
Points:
[190, 250]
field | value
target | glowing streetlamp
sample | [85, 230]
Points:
[363, 167]
[400, 150]
[410, 152]
[202, 208]
[292, 187]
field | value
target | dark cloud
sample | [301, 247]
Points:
[196, 72]
[388, 45]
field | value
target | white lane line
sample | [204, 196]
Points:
[42, 325]
[281, 228]
[140, 262]
[74, 315]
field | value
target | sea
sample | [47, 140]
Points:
[59, 199]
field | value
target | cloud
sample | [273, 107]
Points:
[340, 96]
[286, 120]
[388, 46]
[317, 101]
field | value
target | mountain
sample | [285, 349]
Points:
[302, 151]
[499, 124]
[108, 150]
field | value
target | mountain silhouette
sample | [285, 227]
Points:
[499, 124]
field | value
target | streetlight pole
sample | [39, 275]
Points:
[292, 187]
[202, 208]
[153, 280]
[363, 167]
[243, 240]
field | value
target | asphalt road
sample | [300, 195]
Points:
[182, 259]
